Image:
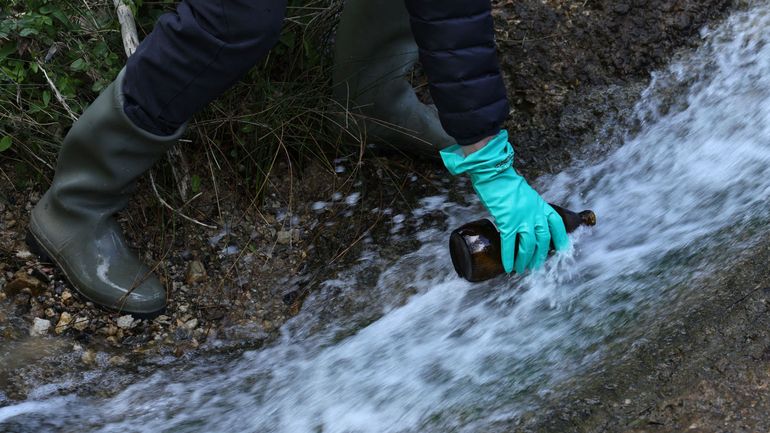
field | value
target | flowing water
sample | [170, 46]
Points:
[678, 200]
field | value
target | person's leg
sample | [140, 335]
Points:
[194, 54]
[191, 57]
[374, 53]
[458, 53]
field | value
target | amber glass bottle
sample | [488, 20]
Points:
[475, 247]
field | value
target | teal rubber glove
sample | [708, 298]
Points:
[518, 209]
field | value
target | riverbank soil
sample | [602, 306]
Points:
[573, 69]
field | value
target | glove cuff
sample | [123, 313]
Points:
[490, 160]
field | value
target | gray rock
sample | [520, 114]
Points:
[192, 323]
[39, 327]
[125, 322]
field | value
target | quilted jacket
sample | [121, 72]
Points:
[458, 53]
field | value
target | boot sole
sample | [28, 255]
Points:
[37, 248]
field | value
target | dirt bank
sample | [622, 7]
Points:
[575, 69]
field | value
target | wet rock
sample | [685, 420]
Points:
[196, 272]
[125, 322]
[39, 327]
[22, 280]
[64, 322]
[117, 361]
[88, 357]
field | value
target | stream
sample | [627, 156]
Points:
[680, 199]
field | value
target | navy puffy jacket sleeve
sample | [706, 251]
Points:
[457, 50]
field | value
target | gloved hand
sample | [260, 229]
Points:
[516, 207]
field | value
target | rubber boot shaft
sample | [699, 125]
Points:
[73, 223]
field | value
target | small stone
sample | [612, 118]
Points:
[622, 8]
[109, 330]
[49, 312]
[117, 361]
[23, 254]
[125, 322]
[284, 237]
[81, 323]
[64, 322]
[191, 324]
[66, 297]
[88, 357]
[196, 272]
[39, 327]
[162, 320]
[22, 280]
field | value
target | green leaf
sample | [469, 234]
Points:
[27, 31]
[46, 98]
[195, 180]
[79, 65]
[59, 15]
[7, 49]
[5, 143]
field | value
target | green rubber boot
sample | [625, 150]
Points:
[73, 225]
[374, 52]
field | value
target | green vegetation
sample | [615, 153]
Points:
[56, 55]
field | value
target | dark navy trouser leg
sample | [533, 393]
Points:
[193, 55]
[458, 53]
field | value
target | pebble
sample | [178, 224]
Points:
[66, 297]
[191, 324]
[117, 361]
[88, 357]
[196, 272]
[39, 327]
[22, 280]
[125, 322]
[284, 237]
[81, 323]
[24, 254]
[64, 322]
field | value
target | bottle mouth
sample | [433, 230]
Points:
[588, 217]
[461, 255]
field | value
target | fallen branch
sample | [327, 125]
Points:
[127, 27]
[56, 93]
